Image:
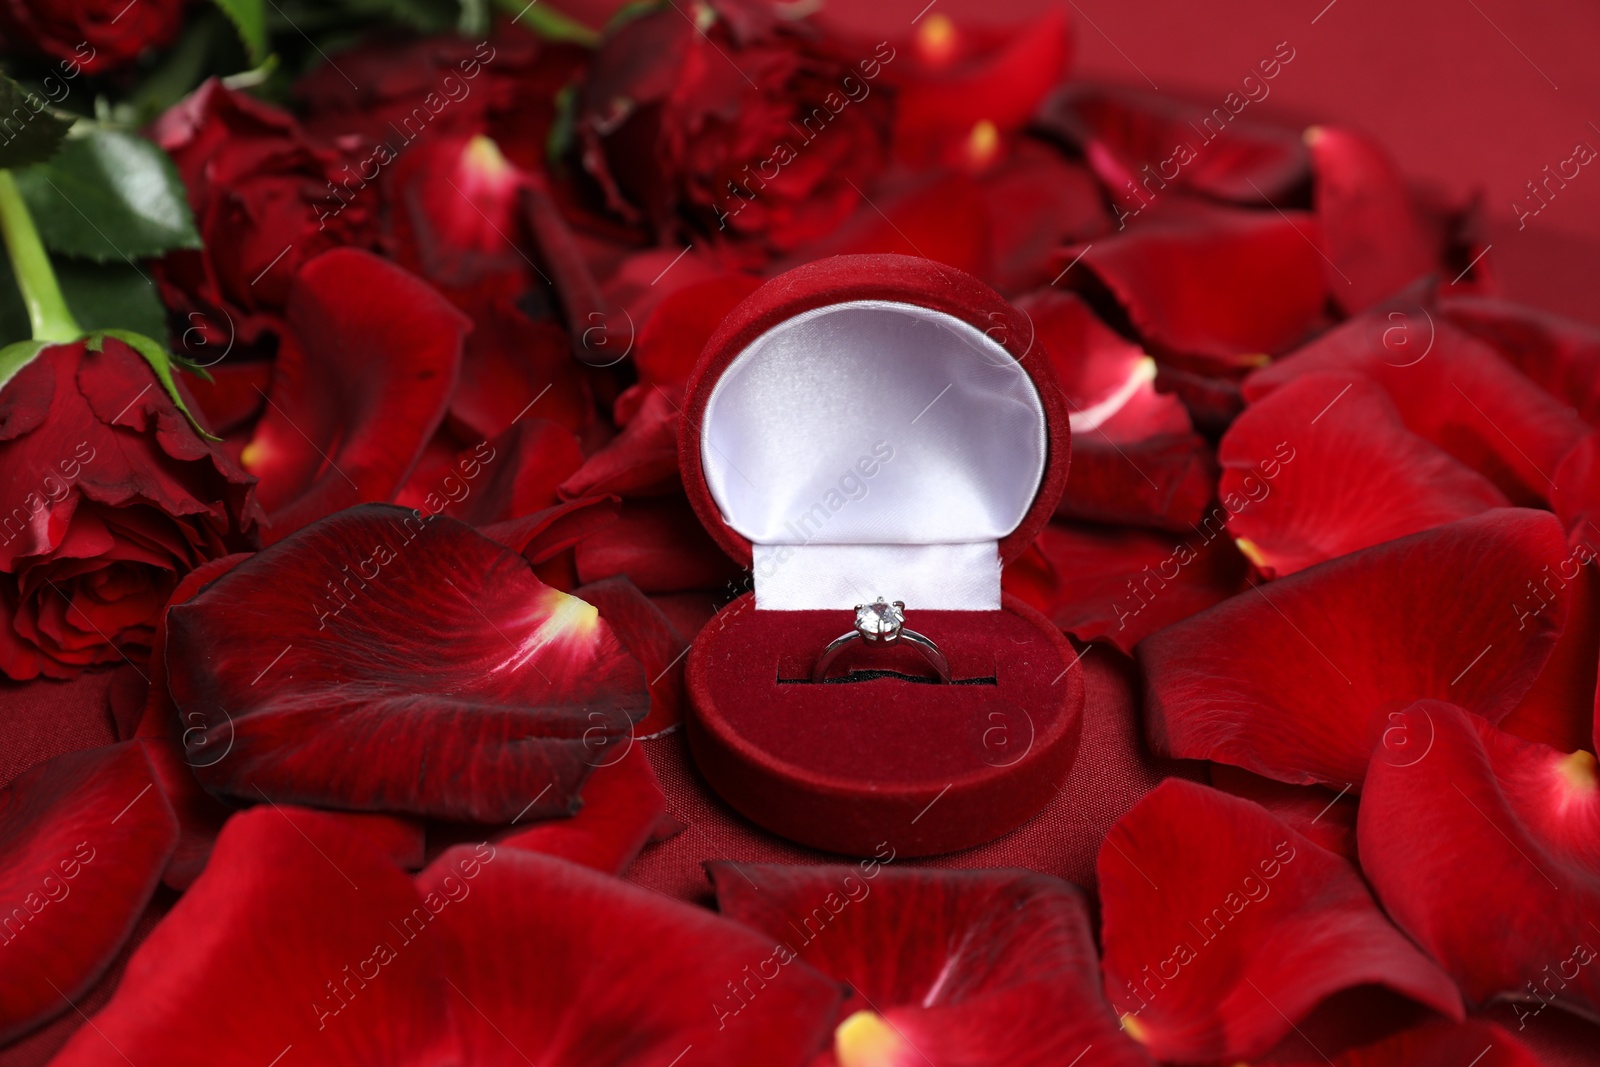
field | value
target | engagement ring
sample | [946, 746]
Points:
[884, 623]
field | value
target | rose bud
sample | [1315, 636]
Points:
[90, 35]
[750, 129]
[108, 495]
[267, 197]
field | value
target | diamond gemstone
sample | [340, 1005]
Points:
[879, 619]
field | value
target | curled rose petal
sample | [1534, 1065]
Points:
[85, 838]
[375, 661]
[1136, 459]
[660, 546]
[1441, 1044]
[1373, 235]
[501, 479]
[1470, 822]
[556, 964]
[1121, 585]
[1322, 815]
[947, 967]
[1139, 142]
[1223, 286]
[512, 367]
[622, 806]
[651, 638]
[1328, 467]
[640, 461]
[963, 86]
[1448, 387]
[541, 536]
[1559, 710]
[679, 326]
[1577, 498]
[1223, 928]
[1038, 201]
[329, 937]
[940, 217]
[1297, 679]
[1560, 355]
[362, 381]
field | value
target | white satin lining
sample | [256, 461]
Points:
[876, 439]
[812, 577]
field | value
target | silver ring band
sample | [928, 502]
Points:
[881, 623]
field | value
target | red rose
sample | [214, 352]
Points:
[266, 198]
[737, 124]
[92, 35]
[109, 496]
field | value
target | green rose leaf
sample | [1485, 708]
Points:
[249, 17]
[106, 296]
[29, 131]
[109, 195]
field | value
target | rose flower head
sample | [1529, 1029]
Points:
[266, 197]
[90, 35]
[724, 120]
[108, 495]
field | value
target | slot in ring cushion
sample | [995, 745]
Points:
[846, 767]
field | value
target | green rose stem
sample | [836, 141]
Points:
[48, 313]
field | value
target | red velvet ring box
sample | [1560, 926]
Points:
[870, 426]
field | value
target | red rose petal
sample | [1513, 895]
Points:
[650, 638]
[1133, 136]
[1559, 710]
[1323, 815]
[622, 805]
[1138, 460]
[363, 671]
[1038, 202]
[1477, 822]
[1282, 924]
[1166, 481]
[455, 206]
[660, 545]
[1560, 355]
[515, 366]
[1325, 466]
[1000, 80]
[541, 536]
[313, 922]
[1441, 1044]
[360, 384]
[640, 461]
[555, 964]
[1121, 585]
[85, 837]
[1371, 231]
[177, 745]
[1294, 679]
[1223, 285]
[1450, 388]
[943, 218]
[232, 398]
[670, 340]
[1577, 494]
[965, 967]
[513, 475]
